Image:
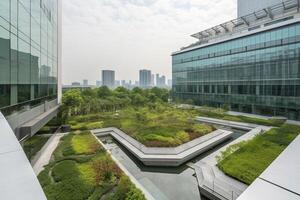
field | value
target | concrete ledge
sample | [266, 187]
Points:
[153, 156]
[33, 126]
[237, 125]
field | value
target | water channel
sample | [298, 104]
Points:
[164, 183]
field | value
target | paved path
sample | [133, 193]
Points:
[44, 155]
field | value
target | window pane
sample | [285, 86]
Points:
[4, 57]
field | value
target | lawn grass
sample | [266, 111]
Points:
[81, 169]
[160, 126]
[84, 143]
[34, 145]
[246, 161]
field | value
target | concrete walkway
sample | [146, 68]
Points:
[44, 155]
[213, 181]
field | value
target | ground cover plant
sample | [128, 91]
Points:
[161, 125]
[34, 145]
[247, 160]
[219, 113]
[81, 169]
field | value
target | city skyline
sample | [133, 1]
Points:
[141, 43]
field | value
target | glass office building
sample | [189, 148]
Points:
[251, 64]
[29, 51]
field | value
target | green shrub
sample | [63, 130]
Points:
[73, 176]
[183, 136]
[34, 145]
[87, 126]
[135, 194]
[202, 129]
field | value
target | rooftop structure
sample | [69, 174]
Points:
[259, 19]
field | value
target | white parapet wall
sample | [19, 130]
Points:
[152, 156]
[17, 178]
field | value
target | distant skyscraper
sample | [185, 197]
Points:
[117, 83]
[123, 83]
[163, 81]
[108, 78]
[75, 83]
[160, 81]
[85, 82]
[157, 79]
[145, 78]
[98, 83]
[152, 80]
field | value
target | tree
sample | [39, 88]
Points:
[71, 102]
[104, 92]
[138, 100]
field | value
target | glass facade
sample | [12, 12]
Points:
[258, 73]
[28, 52]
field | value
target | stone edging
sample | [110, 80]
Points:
[176, 156]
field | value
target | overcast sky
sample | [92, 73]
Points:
[128, 35]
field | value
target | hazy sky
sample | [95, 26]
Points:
[128, 35]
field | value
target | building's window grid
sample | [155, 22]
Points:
[28, 51]
[260, 70]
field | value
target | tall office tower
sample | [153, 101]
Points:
[30, 86]
[157, 80]
[246, 7]
[117, 83]
[85, 82]
[108, 78]
[98, 83]
[30, 60]
[250, 63]
[163, 81]
[160, 81]
[145, 78]
[75, 84]
[152, 80]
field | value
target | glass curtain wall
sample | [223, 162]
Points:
[257, 73]
[28, 52]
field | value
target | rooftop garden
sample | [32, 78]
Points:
[81, 169]
[156, 126]
[247, 160]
